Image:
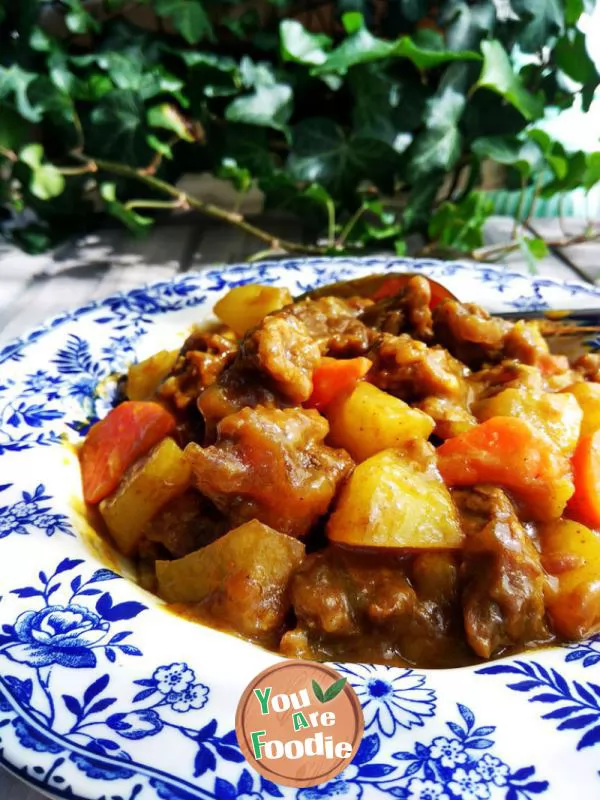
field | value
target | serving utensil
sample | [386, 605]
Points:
[569, 330]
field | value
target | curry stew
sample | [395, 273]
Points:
[411, 481]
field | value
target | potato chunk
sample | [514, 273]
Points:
[241, 579]
[588, 397]
[245, 306]
[557, 415]
[143, 379]
[145, 488]
[571, 552]
[369, 420]
[394, 500]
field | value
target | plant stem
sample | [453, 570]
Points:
[208, 209]
[350, 224]
[155, 204]
[519, 209]
[10, 154]
[495, 251]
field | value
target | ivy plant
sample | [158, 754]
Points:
[372, 120]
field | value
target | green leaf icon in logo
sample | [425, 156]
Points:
[330, 693]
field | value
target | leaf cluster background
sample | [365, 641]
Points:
[329, 108]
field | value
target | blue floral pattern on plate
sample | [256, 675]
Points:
[105, 696]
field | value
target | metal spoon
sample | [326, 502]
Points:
[578, 324]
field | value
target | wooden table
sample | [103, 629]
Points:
[33, 288]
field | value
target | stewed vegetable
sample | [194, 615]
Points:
[386, 474]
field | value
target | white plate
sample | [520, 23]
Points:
[105, 695]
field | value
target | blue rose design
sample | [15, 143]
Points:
[57, 635]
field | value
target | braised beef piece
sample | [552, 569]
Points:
[469, 332]
[411, 370]
[187, 523]
[374, 606]
[203, 356]
[275, 360]
[407, 312]
[272, 465]
[334, 325]
[501, 575]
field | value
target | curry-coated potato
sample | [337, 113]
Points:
[369, 420]
[243, 307]
[588, 397]
[144, 489]
[241, 579]
[571, 553]
[143, 379]
[557, 415]
[395, 501]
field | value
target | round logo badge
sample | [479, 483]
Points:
[299, 723]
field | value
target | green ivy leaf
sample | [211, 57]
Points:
[439, 146]
[498, 75]
[532, 250]
[159, 146]
[322, 153]
[240, 177]
[523, 156]
[413, 10]
[248, 146]
[188, 17]
[459, 226]
[46, 181]
[117, 127]
[361, 47]
[573, 10]
[400, 247]
[385, 108]
[298, 45]
[136, 223]
[13, 128]
[267, 106]
[592, 172]
[540, 21]
[572, 57]
[537, 247]
[465, 25]
[169, 118]
[15, 82]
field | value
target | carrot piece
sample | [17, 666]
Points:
[333, 376]
[509, 452]
[113, 444]
[584, 506]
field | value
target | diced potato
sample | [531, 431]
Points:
[588, 397]
[395, 501]
[241, 579]
[369, 420]
[145, 488]
[143, 379]
[245, 306]
[571, 552]
[556, 415]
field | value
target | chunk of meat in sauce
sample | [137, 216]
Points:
[377, 607]
[411, 370]
[187, 523]
[525, 343]
[469, 332]
[501, 573]
[407, 312]
[334, 325]
[272, 465]
[202, 358]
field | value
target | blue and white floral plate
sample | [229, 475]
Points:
[105, 695]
